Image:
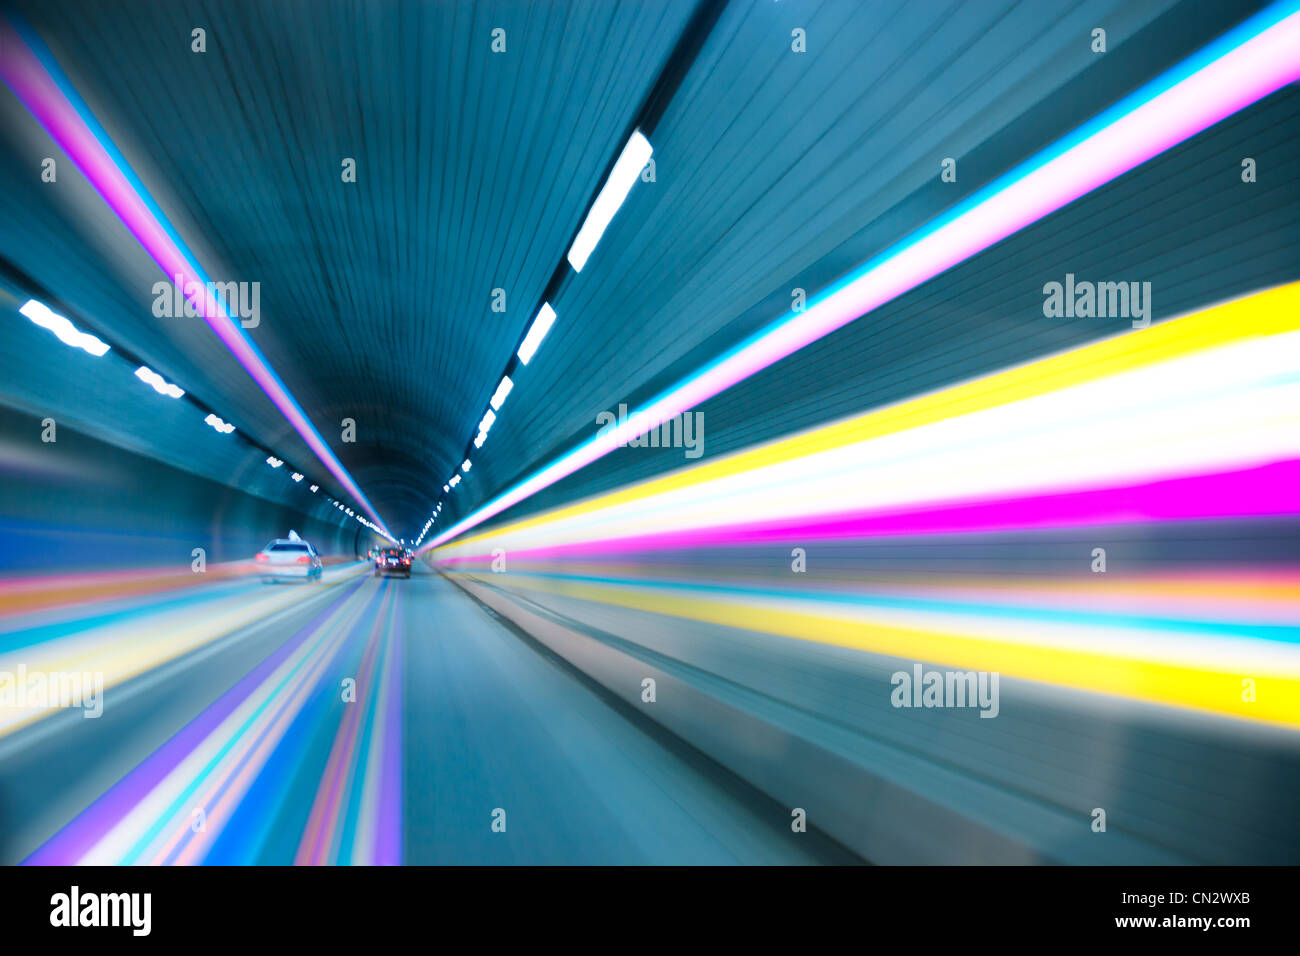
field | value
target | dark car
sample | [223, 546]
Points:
[393, 561]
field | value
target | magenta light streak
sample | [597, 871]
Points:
[79, 837]
[389, 831]
[1258, 67]
[1265, 491]
[38, 91]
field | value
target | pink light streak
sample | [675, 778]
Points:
[37, 90]
[1256, 68]
[1264, 491]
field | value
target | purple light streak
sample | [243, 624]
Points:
[36, 89]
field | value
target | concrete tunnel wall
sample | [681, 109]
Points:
[82, 504]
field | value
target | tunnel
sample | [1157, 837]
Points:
[690, 432]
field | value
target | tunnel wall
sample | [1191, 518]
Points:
[783, 672]
[809, 717]
[79, 503]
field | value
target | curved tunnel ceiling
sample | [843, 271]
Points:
[474, 169]
[472, 172]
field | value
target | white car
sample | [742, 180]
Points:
[289, 557]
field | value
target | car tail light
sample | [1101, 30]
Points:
[406, 560]
[262, 557]
[303, 559]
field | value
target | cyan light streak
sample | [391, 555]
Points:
[29, 70]
[227, 760]
[1250, 62]
[1195, 420]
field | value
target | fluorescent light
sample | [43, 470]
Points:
[541, 325]
[465, 465]
[621, 179]
[446, 488]
[499, 396]
[296, 477]
[455, 480]
[485, 426]
[159, 384]
[68, 333]
[314, 489]
[274, 462]
[223, 427]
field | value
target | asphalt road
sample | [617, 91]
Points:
[358, 720]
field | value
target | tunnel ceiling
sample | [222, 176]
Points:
[473, 170]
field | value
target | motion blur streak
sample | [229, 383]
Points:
[1192, 420]
[129, 641]
[939, 562]
[207, 795]
[23, 594]
[318, 753]
[354, 750]
[1259, 59]
[31, 73]
[1078, 386]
